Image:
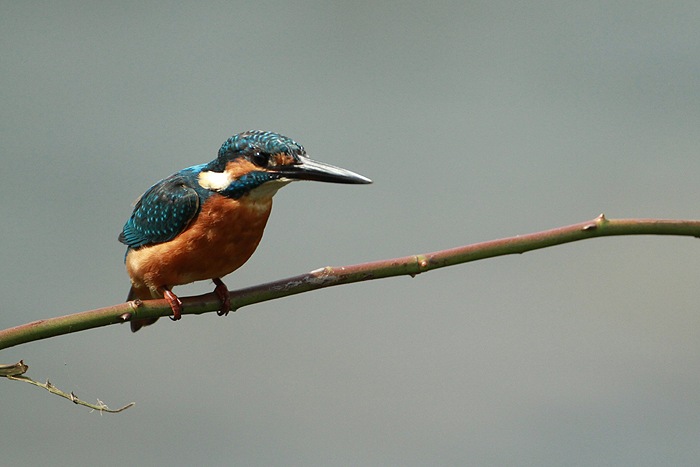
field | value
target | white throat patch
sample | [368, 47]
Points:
[216, 181]
[268, 189]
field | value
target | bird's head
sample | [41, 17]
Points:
[258, 163]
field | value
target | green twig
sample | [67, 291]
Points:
[331, 276]
[100, 406]
[16, 370]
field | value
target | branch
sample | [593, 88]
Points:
[331, 276]
[100, 406]
[16, 370]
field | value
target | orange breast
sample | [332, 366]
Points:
[223, 236]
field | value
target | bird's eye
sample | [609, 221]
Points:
[261, 159]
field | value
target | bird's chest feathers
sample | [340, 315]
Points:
[227, 228]
[222, 237]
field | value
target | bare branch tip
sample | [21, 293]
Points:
[101, 406]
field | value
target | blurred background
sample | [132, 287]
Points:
[476, 120]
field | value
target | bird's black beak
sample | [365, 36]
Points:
[309, 169]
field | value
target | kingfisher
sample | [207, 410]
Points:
[205, 221]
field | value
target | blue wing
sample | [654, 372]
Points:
[165, 210]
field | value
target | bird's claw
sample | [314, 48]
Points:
[222, 292]
[175, 304]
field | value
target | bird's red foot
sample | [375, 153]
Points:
[224, 295]
[175, 304]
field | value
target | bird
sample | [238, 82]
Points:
[205, 221]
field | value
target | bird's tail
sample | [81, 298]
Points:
[143, 294]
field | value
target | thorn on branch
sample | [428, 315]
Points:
[598, 221]
[421, 263]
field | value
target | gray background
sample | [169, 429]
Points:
[476, 120]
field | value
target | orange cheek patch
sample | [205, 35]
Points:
[282, 158]
[240, 167]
